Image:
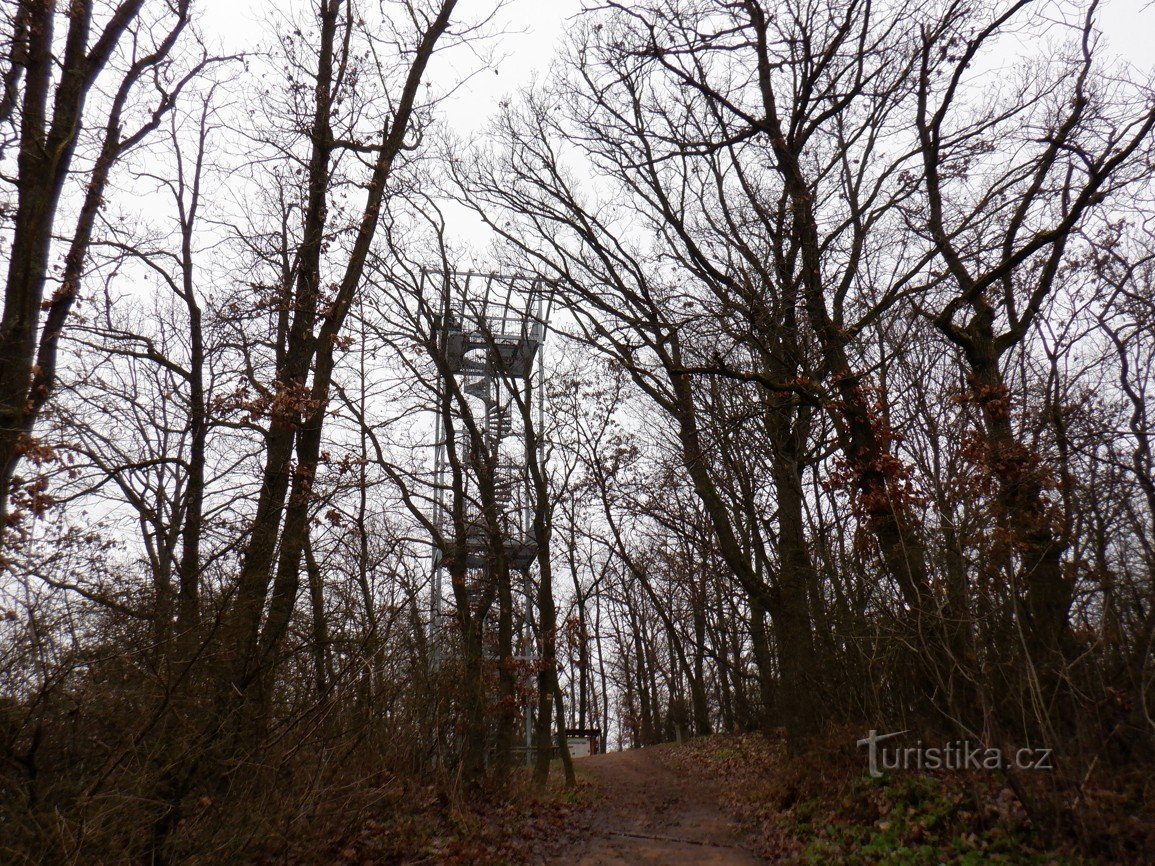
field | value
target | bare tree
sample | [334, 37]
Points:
[134, 47]
[1004, 232]
[310, 330]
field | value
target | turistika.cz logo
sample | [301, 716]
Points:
[960, 755]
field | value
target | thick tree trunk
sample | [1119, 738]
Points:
[473, 706]
[786, 603]
[698, 696]
[769, 694]
[798, 659]
[46, 147]
[320, 624]
[1022, 505]
[506, 676]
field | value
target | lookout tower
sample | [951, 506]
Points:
[490, 330]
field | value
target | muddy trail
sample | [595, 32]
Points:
[647, 812]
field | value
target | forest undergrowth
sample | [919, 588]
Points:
[821, 806]
[413, 823]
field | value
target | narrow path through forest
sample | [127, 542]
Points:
[646, 811]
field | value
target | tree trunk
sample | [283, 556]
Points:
[1022, 505]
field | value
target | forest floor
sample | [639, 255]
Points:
[648, 810]
[742, 799]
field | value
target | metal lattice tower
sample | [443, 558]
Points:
[491, 328]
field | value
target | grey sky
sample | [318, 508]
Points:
[531, 31]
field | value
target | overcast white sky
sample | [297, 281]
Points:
[536, 26]
[532, 31]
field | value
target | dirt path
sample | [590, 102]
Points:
[646, 812]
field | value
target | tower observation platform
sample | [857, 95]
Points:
[490, 329]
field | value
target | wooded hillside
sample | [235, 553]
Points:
[826, 407]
